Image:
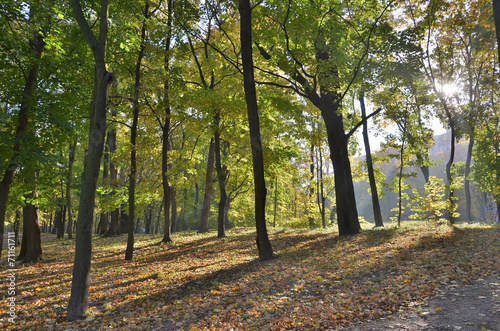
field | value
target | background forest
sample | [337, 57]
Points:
[133, 116]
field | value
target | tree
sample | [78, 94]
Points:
[78, 302]
[264, 246]
[369, 164]
[322, 71]
[207, 197]
[37, 45]
[133, 137]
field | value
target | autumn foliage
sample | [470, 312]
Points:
[199, 282]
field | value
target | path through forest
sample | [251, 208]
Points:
[475, 306]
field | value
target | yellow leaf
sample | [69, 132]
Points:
[236, 288]
[178, 305]
[438, 309]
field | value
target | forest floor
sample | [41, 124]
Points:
[423, 278]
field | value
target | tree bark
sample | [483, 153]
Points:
[264, 246]
[209, 181]
[78, 302]
[377, 213]
[31, 245]
[37, 45]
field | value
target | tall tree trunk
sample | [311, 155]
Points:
[31, 246]
[166, 130]
[377, 213]
[37, 45]
[449, 164]
[310, 203]
[207, 198]
[468, 199]
[321, 190]
[71, 160]
[347, 214]
[114, 224]
[221, 178]
[264, 246]
[133, 139]
[78, 302]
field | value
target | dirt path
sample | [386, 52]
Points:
[475, 306]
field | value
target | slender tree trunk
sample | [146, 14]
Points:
[37, 45]
[78, 302]
[449, 164]
[158, 219]
[377, 213]
[400, 181]
[207, 198]
[114, 224]
[275, 200]
[221, 178]
[173, 211]
[133, 140]
[166, 131]
[321, 190]
[71, 160]
[468, 199]
[31, 246]
[310, 203]
[264, 246]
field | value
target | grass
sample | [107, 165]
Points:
[317, 281]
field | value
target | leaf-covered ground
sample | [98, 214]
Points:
[199, 282]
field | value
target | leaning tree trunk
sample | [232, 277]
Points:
[37, 45]
[209, 181]
[264, 246]
[79, 299]
[377, 213]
